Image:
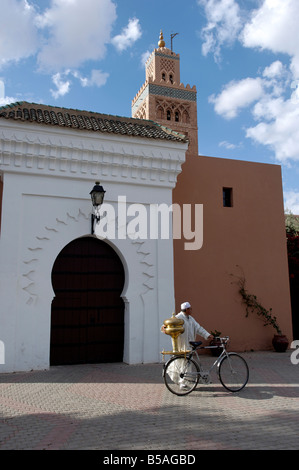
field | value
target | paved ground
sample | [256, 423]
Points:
[122, 407]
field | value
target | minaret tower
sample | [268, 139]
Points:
[164, 99]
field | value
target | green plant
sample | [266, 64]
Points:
[291, 223]
[216, 333]
[253, 305]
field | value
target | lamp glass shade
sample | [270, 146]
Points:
[97, 195]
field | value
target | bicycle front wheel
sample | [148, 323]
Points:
[181, 375]
[233, 372]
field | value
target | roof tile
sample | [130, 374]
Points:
[87, 120]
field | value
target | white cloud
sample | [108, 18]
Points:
[8, 100]
[77, 32]
[274, 70]
[295, 91]
[2, 89]
[274, 27]
[63, 83]
[223, 25]
[291, 201]
[62, 86]
[279, 128]
[277, 78]
[4, 100]
[273, 96]
[128, 36]
[227, 145]
[97, 78]
[144, 57]
[276, 114]
[237, 95]
[62, 38]
[18, 34]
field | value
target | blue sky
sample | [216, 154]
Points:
[242, 55]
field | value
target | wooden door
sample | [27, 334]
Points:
[87, 319]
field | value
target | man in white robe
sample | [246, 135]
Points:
[191, 330]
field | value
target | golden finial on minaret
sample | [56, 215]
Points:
[161, 42]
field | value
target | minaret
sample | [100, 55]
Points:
[164, 99]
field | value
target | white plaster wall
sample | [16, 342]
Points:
[47, 178]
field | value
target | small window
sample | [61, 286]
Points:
[168, 115]
[160, 113]
[177, 117]
[171, 78]
[227, 197]
[163, 76]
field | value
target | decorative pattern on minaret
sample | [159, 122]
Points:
[164, 99]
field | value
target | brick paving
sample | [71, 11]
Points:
[127, 407]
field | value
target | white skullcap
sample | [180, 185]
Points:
[185, 305]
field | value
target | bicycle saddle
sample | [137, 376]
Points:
[195, 344]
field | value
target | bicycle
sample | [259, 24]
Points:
[182, 372]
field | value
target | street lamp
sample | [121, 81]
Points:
[97, 197]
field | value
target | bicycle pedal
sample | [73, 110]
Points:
[205, 379]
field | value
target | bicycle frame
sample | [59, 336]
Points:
[215, 363]
[232, 369]
[204, 373]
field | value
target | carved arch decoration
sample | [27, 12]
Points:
[45, 248]
[141, 112]
[177, 111]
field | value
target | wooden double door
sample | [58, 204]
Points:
[87, 318]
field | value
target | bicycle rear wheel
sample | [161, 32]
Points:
[233, 372]
[181, 375]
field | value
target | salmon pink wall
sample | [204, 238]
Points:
[248, 237]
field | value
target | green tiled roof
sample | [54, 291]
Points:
[87, 121]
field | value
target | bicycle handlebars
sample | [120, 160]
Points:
[224, 339]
